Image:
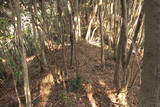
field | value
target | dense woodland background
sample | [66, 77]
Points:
[79, 53]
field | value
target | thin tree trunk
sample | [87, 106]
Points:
[133, 45]
[71, 32]
[101, 33]
[23, 56]
[139, 23]
[77, 21]
[45, 33]
[124, 31]
[121, 52]
[16, 90]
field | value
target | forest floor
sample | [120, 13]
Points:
[91, 91]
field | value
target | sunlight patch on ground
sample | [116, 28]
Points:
[111, 95]
[102, 83]
[29, 59]
[97, 44]
[89, 91]
[58, 74]
[119, 100]
[122, 99]
[59, 77]
[45, 88]
[50, 46]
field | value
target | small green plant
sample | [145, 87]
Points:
[63, 95]
[75, 84]
[18, 76]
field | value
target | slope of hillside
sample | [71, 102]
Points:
[47, 89]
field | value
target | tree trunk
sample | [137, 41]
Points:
[45, 33]
[101, 33]
[23, 56]
[77, 21]
[121, 51]
[72, 38]
[150, 87]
